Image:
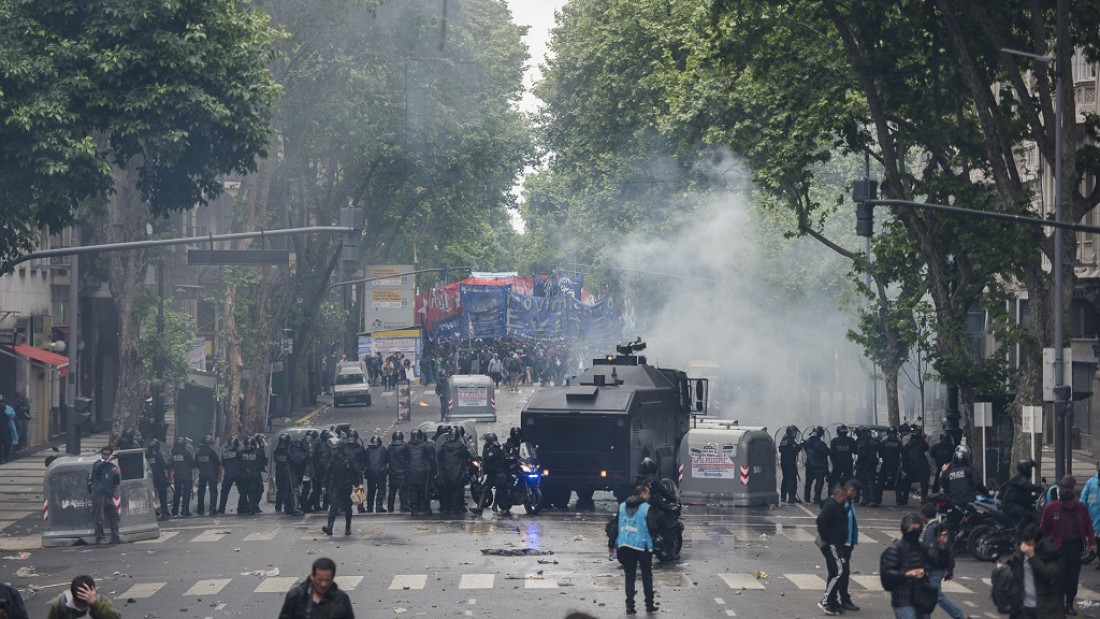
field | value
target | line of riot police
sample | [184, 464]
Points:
[882, 459]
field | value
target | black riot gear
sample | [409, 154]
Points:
[914, 467]
[376, 464]
[889, 450]
[209, 464]
[421, 470]
[792, 430]
[399, 467]
[183, 466]
[397, 436]
[817, 464]
[842, 452]
[789, 448]
[375, 441]
[842, 430]
[647, 467]
[231, 471]
[159, 467]
[867, 462]
[284, 486]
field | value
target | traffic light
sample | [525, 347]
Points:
[865, 219]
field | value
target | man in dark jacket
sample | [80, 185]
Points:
[832, 533]
[905, 564]
[451, 460]
[495, 467]
[866, 465]
[789, 448]
[942, 561]
[183, 470]
[252, 469]
[209, 464]
[399, 466]
[941, 452]
[842, 452]
[376, 466]
[353, 451]
[960, 481]
[301, 463]
[1066, 522]
[1039, 575]
[420, 471]
[889, 450]
[322, 457]
[159, 466]
[104, 485]
[343, 477]
[817, 464]
[914, 467]
[1020, 495]
[231, 471]
[317, 596]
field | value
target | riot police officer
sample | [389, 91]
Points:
[421, 468]
[960, 481]
[817, 464]
[183, 466]
[867, 463]
[251, 483]
[889, 450]
[914, 466]
[353, 451]
[208, 463]
[343, 476]
[495, 467]
[451, 461]
[128, 440]
[941, 452]
[842, 451]
[1021, 494]
[301, 462]
[159, 467]
[284, 489]
[399, 466]
[789, 448]
[511, 446]
[231, 471]
[376, 466]
[322, 457]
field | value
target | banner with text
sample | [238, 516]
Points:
[484, 310]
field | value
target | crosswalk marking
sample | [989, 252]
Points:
[950, 586]
[892, 534]
[142, 590]
[261, 536]
[275, 584]
[871, 583]
[164, 537]
[796, 534]
[866, 539]
[534, 581]
[348, 583]
[476, 581]
[730, 613]
[409, 581]
[742, 581]
[210, 535]
[809, 582]
[208, 587]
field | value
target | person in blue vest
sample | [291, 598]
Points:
[633, 546]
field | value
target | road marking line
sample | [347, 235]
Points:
[730, 613]
[164, 537]
[864, 538]
[719, 601]
[796, 534]
[950, 586]
[472, 601]
[989, 582]
[531, 582]
[276, 584]
[808, 512]
[208, 587]
[894, 534]
[870, 583]
[143, 590]
[743, 581]
[211, 535]
[348, 583]
[808, 582]
[476, 581]
[261, 536]
[970, 604]
[409, 581]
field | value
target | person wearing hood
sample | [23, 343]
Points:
[906, 564]
[1067, 524]
[82, 600]
[1034, 566]
[633, 546]
[318, 595]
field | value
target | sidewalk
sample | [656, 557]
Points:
[1082, 467]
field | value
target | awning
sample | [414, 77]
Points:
[42, 356]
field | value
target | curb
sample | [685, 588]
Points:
[311, 415]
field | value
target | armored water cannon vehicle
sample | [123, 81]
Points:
[593, 434]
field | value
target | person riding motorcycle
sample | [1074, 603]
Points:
[511, 446]
[494, 464]
[660, 498]
[1020, 495]
[941, 452]
[960, 481]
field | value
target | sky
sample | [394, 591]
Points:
[539, 15]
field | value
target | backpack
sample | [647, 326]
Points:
[1006, 591]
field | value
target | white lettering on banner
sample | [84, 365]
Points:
[473, 396]
[710, 461]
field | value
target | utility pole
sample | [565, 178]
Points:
[72, 430]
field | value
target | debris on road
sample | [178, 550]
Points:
[514, 552]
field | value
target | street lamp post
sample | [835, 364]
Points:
[1062, 395]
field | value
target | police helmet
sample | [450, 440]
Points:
[792, 430]
[842, 430]
[128, 433]
[235, 444]
[336, 443]
[419, 435]
[180, 441]
[252, 442]
[284, 439]
[154, 445]
[1024, 467]
[397, 437]
[893, 430]
[961, 455]
[375, 441]
[353, 435]
[326, 435]
[647, 467]
[208, 440]
[514, 433]
[489, 437]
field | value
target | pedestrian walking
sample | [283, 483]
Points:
[103, 486]
[82, 599]
[11, 603]
[851, 491]
[942, 561]
[318, 595]
[903, 570]
[1034, 567]
[9, 435]
[633, 546]
[1068, 525]
[832, 533]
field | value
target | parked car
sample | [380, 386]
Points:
[351, 385]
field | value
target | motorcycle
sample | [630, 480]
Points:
[524, 480]
[670, 538]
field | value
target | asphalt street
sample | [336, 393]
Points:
[758, 562]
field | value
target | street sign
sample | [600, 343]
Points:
[239, 256]
[983, 415]
[1031, 419]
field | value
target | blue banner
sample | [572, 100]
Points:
[570, 285]
[597, 322]
[484, 310]
[536, 317]
[448, 328]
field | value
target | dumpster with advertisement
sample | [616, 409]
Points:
[728, 464]
[470, 397]
[67, 507]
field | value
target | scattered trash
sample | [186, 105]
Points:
[22, 555]
[547, 562]
[761, 575]
[578, 538]
[236, 550]
[311, 552]
[131, 601]
[266, 573]
[26, 572]
[400, 610]
[516, 552]
[764, 536]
